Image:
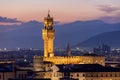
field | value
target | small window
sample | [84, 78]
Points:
[115, 75]
[110, 75]
[83, 75]
[101, 75]
[71, 75]
[106, 75]
[77, 75]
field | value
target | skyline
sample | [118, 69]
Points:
[62, 10]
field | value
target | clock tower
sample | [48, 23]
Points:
[48, 36]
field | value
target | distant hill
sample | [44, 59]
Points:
[110, 38]
[28, 34]
[80, 31]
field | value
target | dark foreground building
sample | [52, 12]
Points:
[80, 72]
[11, 72]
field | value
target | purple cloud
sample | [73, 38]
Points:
[108, 8]
[9, 20]
[111, 19]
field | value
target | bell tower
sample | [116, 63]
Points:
[48, 36]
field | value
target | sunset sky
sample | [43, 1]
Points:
[61, 10]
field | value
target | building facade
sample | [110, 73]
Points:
[80, 72]
[85, 67]
[10, 72]
[48, 35]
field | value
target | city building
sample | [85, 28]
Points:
[48, 35]
[85, 67]
[80, 72]
[104, 49]
[10, 72]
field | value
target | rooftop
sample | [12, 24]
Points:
[6, 68]
[86, 68]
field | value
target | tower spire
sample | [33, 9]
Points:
[68, 50]
[48, 13]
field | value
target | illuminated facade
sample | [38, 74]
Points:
[48, 35]
[80, 75]
[80, 72]
[85, 67]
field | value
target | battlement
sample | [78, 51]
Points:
[74, 59]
